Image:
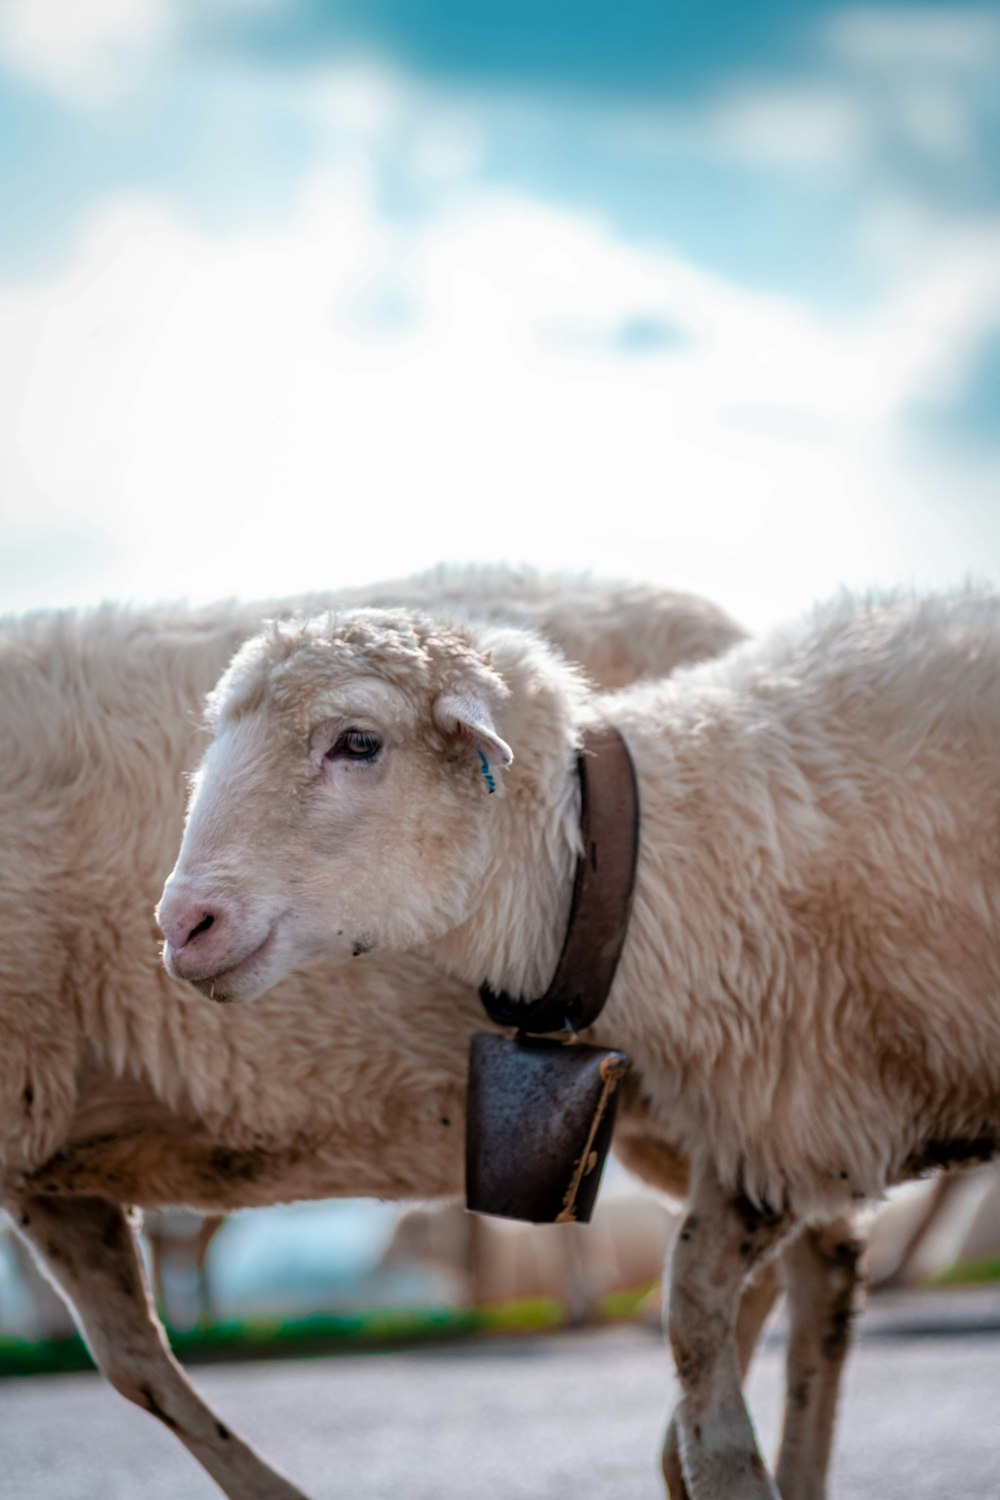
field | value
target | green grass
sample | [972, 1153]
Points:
[970, 1272]
[324, 1333]
[618, 1307]
[258, 1338]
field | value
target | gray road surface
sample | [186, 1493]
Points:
[570, 1417]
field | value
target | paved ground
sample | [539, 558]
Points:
[573, 1417]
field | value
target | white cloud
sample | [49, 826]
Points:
[884, 77]
[817, 129]
[937, 121]
[88, 50]
[81, 47]
[361, 100]
[950, 37]
[213, 408]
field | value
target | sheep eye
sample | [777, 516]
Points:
[357, 745]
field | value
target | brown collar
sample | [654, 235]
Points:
[602, 897]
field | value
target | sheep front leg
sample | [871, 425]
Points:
[821, 1269]
[759, 1297]
[722, 1240]
[88, 1248]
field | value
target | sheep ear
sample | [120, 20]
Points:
[468, 716]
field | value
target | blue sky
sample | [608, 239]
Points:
[295, 294]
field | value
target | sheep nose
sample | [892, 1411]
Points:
[188, 928]
[186, 922]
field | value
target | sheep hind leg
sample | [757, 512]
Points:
[756, 1304]
[722, 1241]
[88, 1248]
[821, 1271]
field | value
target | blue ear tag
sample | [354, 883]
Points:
[487, 773]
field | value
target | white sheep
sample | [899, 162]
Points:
[810, 986]
[119, 1085]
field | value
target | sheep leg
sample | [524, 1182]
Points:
[821, 1268]
[88, 1248]
[722, 1240]
[759, 1297]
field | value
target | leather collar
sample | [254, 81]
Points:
[602, 897]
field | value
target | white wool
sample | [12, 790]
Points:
[810, 989]
[101, 714]
[120, 1085]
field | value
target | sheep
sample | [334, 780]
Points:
[810, 985]
[118, 1086]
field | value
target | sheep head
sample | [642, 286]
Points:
[344, 803]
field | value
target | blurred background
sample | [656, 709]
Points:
[303, 293]
[296, 293]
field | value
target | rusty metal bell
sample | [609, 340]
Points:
[538, 1128]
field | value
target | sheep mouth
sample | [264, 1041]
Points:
[220, 986]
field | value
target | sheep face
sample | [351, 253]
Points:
[343, 805]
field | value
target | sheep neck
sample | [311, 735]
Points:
[512, 940]
[602, 896]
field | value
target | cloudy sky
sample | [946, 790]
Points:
[296, 293]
